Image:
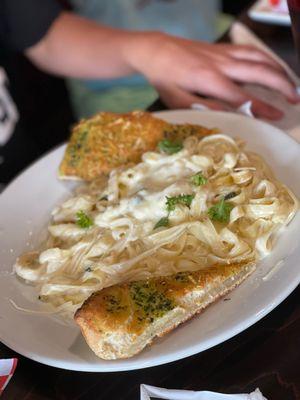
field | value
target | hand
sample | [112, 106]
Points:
[182, 70]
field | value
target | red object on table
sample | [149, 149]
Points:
[274, 2]
[7, 369]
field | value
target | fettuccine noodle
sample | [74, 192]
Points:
[123, 243]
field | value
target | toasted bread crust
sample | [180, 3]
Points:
[132, 329]
[108, 140]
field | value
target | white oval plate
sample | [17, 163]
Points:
[25, 208]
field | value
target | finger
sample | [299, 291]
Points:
[251, 53]
[175, 97]
[265, 75]
[226, 90]
[265, 110]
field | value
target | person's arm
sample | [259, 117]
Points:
[179, 69]
[80, 48]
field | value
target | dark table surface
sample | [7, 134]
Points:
[267, 355]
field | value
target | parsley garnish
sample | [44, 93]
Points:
[169, 147]
[149, 302]
[83, 220]
[220, 211]
[198, 179]
[184, 199]
[171, 203]
[164, 221]
[114, 304]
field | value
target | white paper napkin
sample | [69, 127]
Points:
[290, 123]
[147, 392]
[240, 34]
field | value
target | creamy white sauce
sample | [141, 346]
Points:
[123, 243]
